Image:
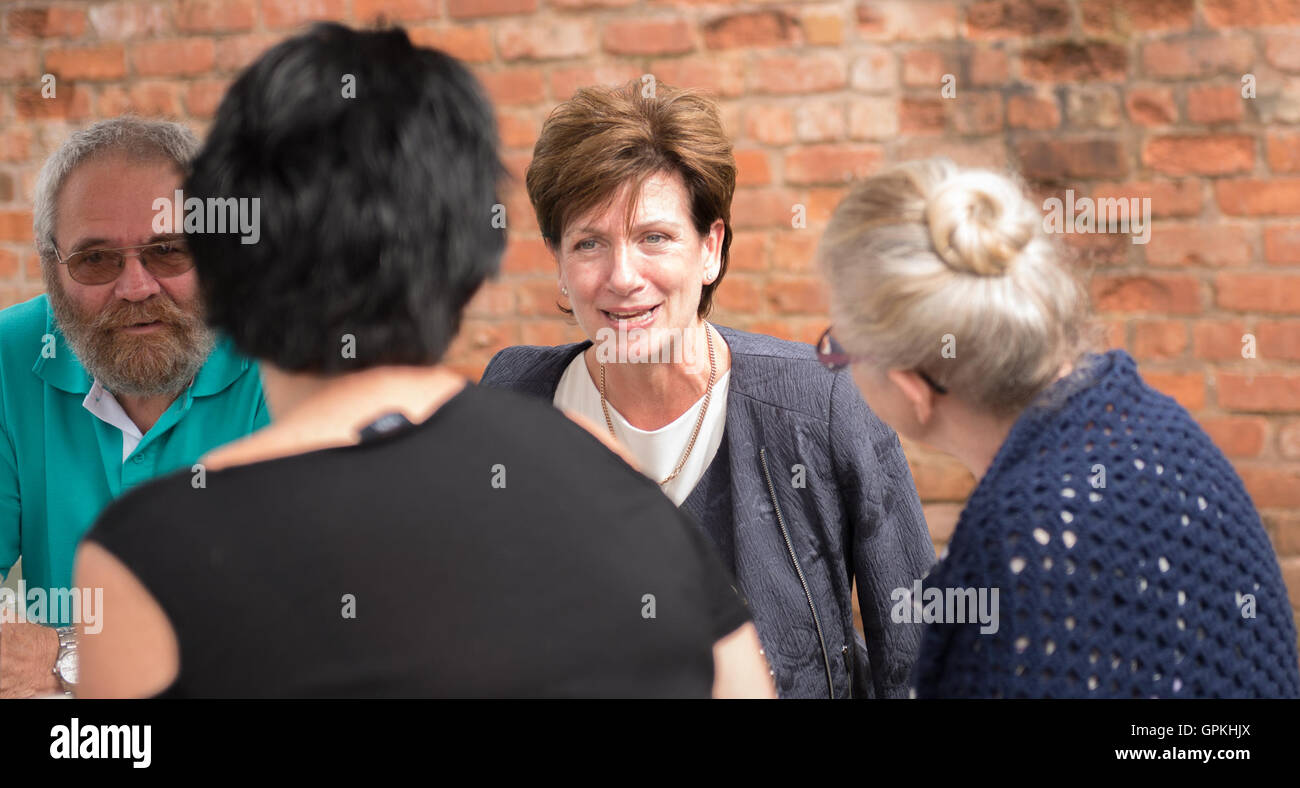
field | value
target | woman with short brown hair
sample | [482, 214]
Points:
[800, 487]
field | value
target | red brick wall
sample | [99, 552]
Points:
[1105, 97]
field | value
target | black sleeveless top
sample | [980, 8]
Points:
[495, 549]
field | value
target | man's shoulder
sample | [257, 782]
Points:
[22, 325]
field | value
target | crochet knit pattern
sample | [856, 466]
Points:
[1129, 559]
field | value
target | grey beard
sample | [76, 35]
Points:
[150, 366]
[148, 378]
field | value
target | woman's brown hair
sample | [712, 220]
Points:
[606, 137]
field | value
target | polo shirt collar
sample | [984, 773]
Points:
[63, 370]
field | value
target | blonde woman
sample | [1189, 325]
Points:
[1122, 551]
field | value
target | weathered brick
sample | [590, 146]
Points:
[15, 225]
[1017, 18]
[1278, 339]
[1274, 485]
[750, 29]
[18, 64]
[1160, 340]
[1258, 197]
[185, 57]
[292, 13]
[770, 124]
[752, 168]
[1282, 244]
[927, 67]
[1122, 17]
[831, 163]
[372, 11]
[795, 251]
[822, 121]
[1273, 293]
[1074, 61]
[532, 41]
[1251, 13]
[462, 9]
[1283, 151]
[70, 102]
[107, 61]
[873, 118]
[1033, 111]
[56, 21]
[922, 115]
[794, 74]
[822, 28]
[1236, 436]
[203, 97]
[907, 20]
[720, 75]
[1075, 158]
[764, 207]
[648, 37]
[1217, 154]
[1187, 388]
[214, 16]
[740, 294]
[116, 21]
[978, 112]
[988, 67]
[514, 85]
[1185, 244]
[1215, 104]
[1258, 392]
[1092, 106]
[566, 81]
[1151, 106]
[1166, 294]
[470, 43]
[15, 142]
[1219, 340]
[1168, 198]
[1282, 50]
[236, 52]
[1198, 57]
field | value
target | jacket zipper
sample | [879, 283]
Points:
[771, 490]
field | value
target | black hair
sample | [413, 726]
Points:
[379, 213]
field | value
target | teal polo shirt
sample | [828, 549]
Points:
[60, 465]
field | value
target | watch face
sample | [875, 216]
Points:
[67, 667]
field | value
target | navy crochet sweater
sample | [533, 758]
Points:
[1128, 559]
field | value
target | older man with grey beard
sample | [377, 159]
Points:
[109, 380]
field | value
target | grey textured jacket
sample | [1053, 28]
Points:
[808, 492]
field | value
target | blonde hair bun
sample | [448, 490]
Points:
[927, 253]
[980, 221]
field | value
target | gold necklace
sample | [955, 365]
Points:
[699, 421]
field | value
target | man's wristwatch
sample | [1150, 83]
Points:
[65, 664]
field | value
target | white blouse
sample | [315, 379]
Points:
[656, 451]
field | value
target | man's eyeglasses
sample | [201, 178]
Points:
[833, 355]
[100, 266]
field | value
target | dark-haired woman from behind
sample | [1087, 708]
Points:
[395, 531]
